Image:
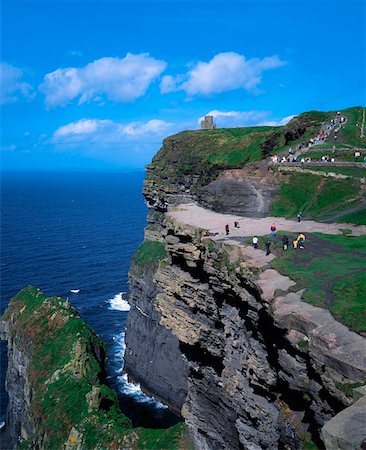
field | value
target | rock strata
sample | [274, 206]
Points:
[251, 366]
[56, 383]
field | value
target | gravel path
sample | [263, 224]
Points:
[195, 215]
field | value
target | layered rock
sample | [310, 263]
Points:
[58, 396]
[255, 367]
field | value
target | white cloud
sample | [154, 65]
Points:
[119, 80]
[8, 148]
[108, 133]
[279, 122]
[225, 72]
[12, 86]
[230, 119]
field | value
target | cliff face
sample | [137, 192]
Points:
[153, 357]
[58, 397]
[248, 365]
[20, 423]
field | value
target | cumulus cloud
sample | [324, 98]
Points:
[107, 133]
[225, 72]
[229, 119]
[12, 85]
[118, 79]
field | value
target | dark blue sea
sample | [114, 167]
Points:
[78, 231]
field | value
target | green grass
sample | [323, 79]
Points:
[294, 194]
[349, 307]
[350, 133]
[332, 269]
[339, 156]
[46, 330]
[170, 439]
[195, 158]
[313, 195]
[358, 218]
[150, 253]
[356, 172]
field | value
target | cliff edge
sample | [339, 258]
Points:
[58, 396]
[230, 340]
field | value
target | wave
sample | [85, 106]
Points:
[119, 303]
[124, 386]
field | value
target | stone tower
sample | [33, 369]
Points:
[207, 123]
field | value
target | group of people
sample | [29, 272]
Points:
[335, 123]
[298, 242]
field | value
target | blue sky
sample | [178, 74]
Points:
[99, 84]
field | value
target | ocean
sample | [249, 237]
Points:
[65, 232]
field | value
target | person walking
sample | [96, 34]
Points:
[299, 217]
[285, 242]
[255, 242]
[273, 230]
[268, 248]
[227, 230]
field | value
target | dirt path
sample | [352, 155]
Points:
[195, 215]
[346, 212]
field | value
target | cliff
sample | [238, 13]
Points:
[220, 335]
[58, 396]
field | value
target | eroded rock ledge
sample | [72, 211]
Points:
[58, 396]
[247, 366]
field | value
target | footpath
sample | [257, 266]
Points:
[327, 342]
[214, 222]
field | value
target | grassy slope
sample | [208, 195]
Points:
[315, 196]
[347, 156]
[206, 153]
[150, 253]
[339, 265]
[350, 134]
[358, 218]
[59, 403]
[356, 172]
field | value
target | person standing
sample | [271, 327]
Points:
[299, 217]
[273, 230]
[301, 240]
[255, 242]
[268, 248]
[285, 242]
[227, 230]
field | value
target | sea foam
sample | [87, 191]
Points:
[124, 386]
[119, 303]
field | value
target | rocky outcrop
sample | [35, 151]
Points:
[346, 431]
[58, 397]
[258, 368]
[20, 423]
[235, 192]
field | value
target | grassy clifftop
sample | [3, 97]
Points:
[70, 403]
[201, 155]
[191, 160]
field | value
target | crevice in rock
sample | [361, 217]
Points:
[196, 354]
[183, 238]
[274, 339]
[196, 272]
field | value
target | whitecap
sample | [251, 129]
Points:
[119, 303]
[124, 386]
